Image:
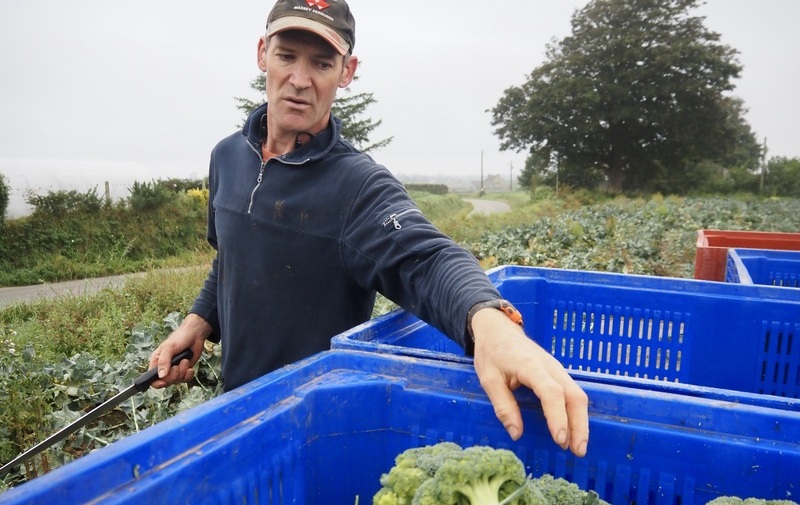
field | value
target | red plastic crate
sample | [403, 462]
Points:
[711, 253]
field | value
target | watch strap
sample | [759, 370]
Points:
[502, 305]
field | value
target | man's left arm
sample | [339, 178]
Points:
[392, 247]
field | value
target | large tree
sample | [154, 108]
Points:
[348, 107]
[638, 92]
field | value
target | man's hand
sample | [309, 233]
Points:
[505, 359]
[191, 334]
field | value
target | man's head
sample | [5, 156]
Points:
[306, 55]
[330, 19]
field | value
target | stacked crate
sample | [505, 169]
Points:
[711, 252]
[763, 266]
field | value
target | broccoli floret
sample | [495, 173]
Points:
[411, 468]
[733, 500]
[477, 475]
[446, 474]
[554, 491]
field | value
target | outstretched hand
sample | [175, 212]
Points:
[505, 359]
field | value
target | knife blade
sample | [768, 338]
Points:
[140, 385]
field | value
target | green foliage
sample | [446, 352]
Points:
[438, 206]
[41, 396]
[782, 177]
[57, 204]
[637, 93]
[5, 192]
[356, 128]
[654, 237]
[149, 196]
[182, 185]
[434, 189]
[82, 240]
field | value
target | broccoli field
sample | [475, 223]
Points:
[653, 237]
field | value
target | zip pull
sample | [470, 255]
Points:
[258, 183]
[261, 172]
[394, 218]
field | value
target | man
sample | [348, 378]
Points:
[307, 229]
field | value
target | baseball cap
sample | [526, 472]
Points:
[330, 19]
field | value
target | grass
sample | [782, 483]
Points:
[99, 323]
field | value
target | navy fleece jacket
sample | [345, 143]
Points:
[303, 243]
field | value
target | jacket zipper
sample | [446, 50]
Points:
[394, 218]
[258, 183]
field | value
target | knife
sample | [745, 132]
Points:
[140, 385]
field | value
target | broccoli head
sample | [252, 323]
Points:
[412, 467]
[446, 474]
[734, 500]
[552, 491]
[477, 476]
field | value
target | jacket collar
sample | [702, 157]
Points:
[255, 129]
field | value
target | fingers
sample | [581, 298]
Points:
[182, 372]
[505, 405]
[564, 403]
[551, 394]
[578, 415]
[168, 374]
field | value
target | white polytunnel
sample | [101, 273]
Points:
[46, 176]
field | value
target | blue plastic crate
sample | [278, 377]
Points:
[766, 267]
[322, 431]
[697, 337]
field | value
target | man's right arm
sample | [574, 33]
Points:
[191, 334]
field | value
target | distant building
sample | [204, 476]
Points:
[492, 182]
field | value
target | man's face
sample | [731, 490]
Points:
[303, 73]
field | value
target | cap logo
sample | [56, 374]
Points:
[319, 4]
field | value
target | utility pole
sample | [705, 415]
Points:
[482, 190]
[511, 176]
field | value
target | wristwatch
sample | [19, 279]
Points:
[502, 305]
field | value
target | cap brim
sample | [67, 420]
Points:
[301, 23]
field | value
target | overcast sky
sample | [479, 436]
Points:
[148, 86]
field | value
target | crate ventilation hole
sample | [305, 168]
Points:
[629, 345]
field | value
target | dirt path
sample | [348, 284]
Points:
[487, 206]
[12, 295]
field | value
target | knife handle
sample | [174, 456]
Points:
[144, 381]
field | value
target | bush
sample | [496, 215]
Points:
[182, 185]
[434, 189]
[782, 177]
[148, 196]
[62, 202]
[48, 247]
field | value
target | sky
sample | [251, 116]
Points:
[144, 89]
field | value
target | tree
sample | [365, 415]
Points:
[348, 107]
[637, 93]
[782, 177]
[5, 193]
